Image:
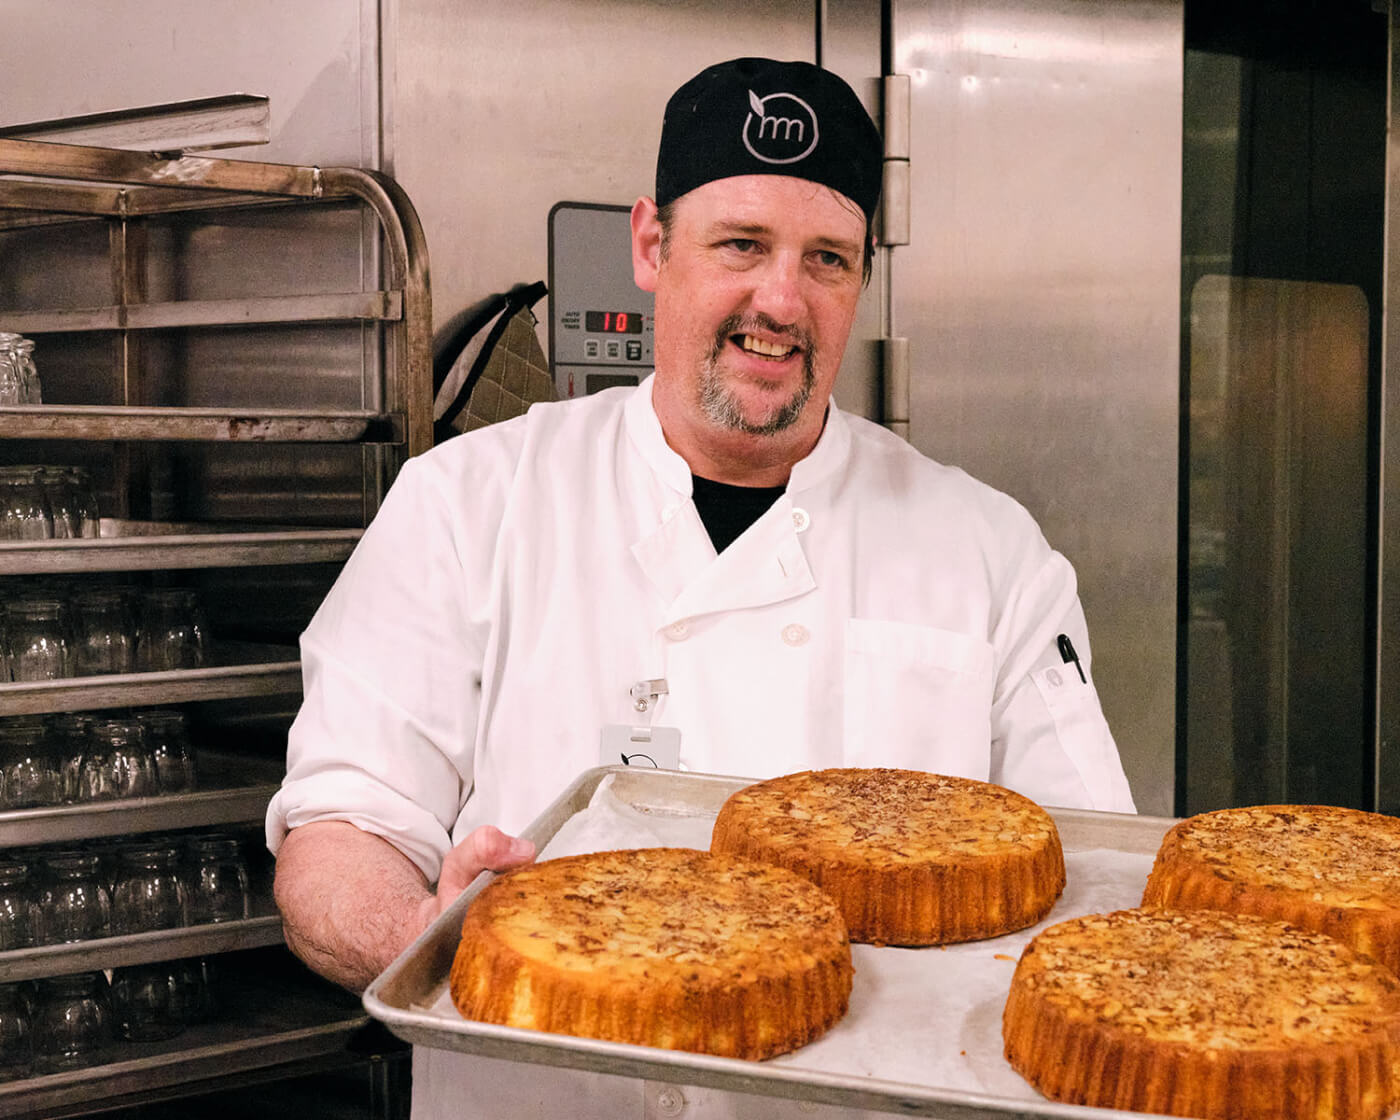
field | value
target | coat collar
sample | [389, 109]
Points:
[644, 428]
[765, 565]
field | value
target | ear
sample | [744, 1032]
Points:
[646, 244]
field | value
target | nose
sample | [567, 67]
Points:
[778, 288]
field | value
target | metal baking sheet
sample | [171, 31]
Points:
[403, 996]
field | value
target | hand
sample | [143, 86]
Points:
[485, 849]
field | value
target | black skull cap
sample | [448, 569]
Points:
[757, 116]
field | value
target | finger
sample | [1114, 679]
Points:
[485, 849]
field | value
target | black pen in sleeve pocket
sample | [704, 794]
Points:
[1067, 654]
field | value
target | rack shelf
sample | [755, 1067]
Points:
[198, 425]
[233, 789]
[342, 306]
[260, 1024]
[142, 948]
[130, 546]
[245, 671]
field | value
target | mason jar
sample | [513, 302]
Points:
[218, 880]
[12, 384]
[24, 508]
[145, 1004]
[74, 903]
[16, 1033]
[170, 634]
[36, 630]
[70, 1021]
[118, 762]
[68, 734]
[31, 391]
[72, 501]
[21, 924]
[29, 767]
[169, 740]
[148, 892]
[104, 632]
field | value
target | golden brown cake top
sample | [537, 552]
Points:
[623, 911]
[1338, 856]
[1210, 979]
[899, 816]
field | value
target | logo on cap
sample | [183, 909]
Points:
[780, 128]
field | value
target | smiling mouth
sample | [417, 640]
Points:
[774, 351]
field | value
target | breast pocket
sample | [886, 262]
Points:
[917, 697]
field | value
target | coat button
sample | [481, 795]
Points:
[795, 634]
[678, 631]
[800, 520]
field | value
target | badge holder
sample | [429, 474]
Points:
[642, 744]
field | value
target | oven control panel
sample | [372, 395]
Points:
[600, 322]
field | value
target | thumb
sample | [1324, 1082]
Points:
[485, 849]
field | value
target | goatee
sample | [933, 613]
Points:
[721, 404]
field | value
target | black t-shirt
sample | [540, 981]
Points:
[728, 510]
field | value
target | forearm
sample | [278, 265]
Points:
[350, 901]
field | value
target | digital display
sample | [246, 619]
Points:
[613, 322]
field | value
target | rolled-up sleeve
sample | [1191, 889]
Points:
[391, 667]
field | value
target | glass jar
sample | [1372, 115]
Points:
[68, 732]
[16, 1033]
[169, 741]
[21, 924]
[171, 632]
[145, 1004]
[74, 902]
[72, 501]
[118, 762]
[12, 386]
[218, 880]
[104, 633]
[148, 892]
[24, 508]
[29, 769]
[192, 981]
[70, 1021]
[31, 392]
[36, 631]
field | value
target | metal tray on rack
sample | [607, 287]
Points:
[132, 546]
[233, 789]
[409, 996]
[257, 932]
[262, 1023]
[242, 670]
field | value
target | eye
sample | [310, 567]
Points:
[828, 259]
[742, 244]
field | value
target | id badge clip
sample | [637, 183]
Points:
[642, 744]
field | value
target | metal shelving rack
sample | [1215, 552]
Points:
[51, 184]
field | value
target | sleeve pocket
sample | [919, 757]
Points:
[1083, 734]
[917, 697]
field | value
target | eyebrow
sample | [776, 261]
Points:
[724, 228]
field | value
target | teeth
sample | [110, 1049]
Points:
[760, 346]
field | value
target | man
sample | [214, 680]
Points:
[720, 555]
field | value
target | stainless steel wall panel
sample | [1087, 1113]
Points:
[1041, 295]
[316, 61]
[500, 111]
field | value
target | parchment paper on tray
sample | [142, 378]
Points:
[923, 1016]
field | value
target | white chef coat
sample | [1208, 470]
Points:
[520, 579]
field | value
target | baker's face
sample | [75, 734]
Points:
[756, 289]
